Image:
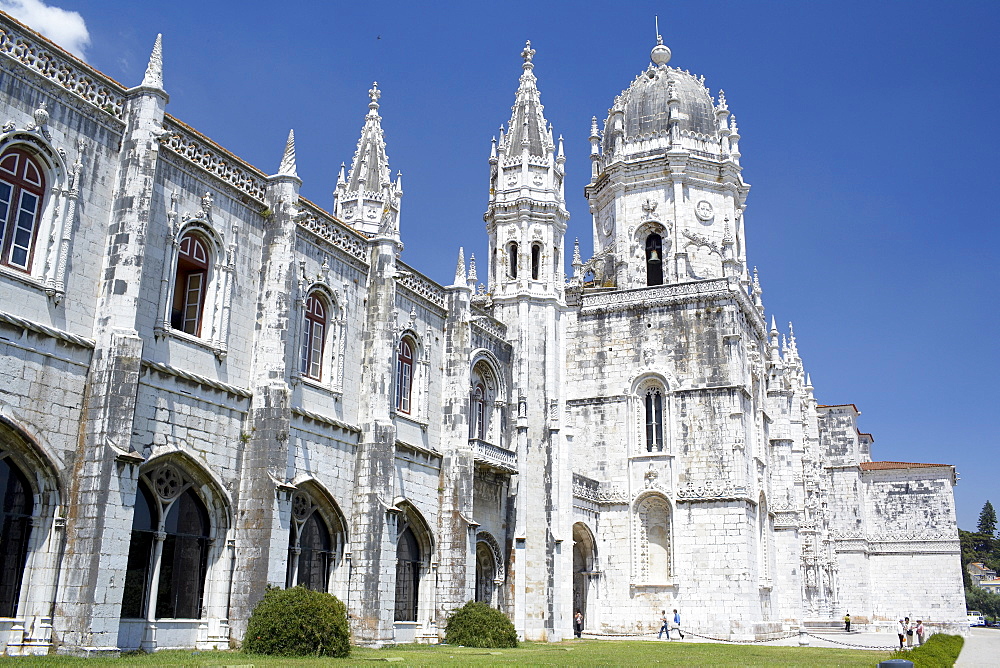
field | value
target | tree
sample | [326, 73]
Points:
[988, 520]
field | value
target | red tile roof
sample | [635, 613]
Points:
[883, 466]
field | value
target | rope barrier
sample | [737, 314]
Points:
[793, 634]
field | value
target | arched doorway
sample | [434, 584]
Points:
[584, 562]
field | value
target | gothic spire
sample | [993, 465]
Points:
[370, 167]
[154, 70]
[367, 197]
[527, 129]
[287, 166]
[460, 267]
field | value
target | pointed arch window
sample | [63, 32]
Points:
[404, 374]
[536, 261]
[22, 189]
[15, 530]
[314, 326]
[408, 560]
[654, 260]
[512, 260]
[653, 409]
[190, 284]
[310, 546]
[168, 553]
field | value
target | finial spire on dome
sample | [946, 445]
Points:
[154, 70]
[660, 55]
[528, 53]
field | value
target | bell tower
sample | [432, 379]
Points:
[666, 190]
[526, 221]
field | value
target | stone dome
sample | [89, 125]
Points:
[646, 111]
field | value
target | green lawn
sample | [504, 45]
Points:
[577, 653]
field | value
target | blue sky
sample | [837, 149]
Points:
[869, 134]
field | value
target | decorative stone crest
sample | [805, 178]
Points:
[704, 211]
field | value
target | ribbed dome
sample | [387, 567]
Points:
[647, 112]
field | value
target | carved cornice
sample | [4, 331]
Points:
[20, 44]
[202, 152]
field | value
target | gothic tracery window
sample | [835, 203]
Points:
[22, 189]
[314, 326]
[170, 536]
[190, 284]
[310, 547]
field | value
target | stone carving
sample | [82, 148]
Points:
[704, 211]
[216, 160]
[88, 85]
[707, 490]
[701, 240]
[649, 208]
[326, 227]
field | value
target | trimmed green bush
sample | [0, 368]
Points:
[476, 624]
[298, 622]
[939, 650]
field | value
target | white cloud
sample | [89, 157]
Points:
[65, 28]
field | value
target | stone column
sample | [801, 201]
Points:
[261, 530]
[373, 525]
[99, 501]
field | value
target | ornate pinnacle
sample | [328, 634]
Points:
[287, 166]
[472, 269]
[756, 282]
[576, 253]
[528, 54]
[460, 268]
[374, 94]
[154, 70]
[722, 99]
[732, 126]
[593, 128]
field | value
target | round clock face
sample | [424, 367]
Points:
[703, 210]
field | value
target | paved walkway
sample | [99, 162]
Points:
[981, 648]
[855, 640]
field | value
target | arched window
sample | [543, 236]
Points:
[184, 561]
[536, 261]
[654, 260]
[654, 554]
[404, 375]
[654, 419]
[170, 536]
[486, 571]
[479, 412]
[190, 284]
[309, 562]
[407, 576]
[15, 531]
[512, 260]
[313, 337]
[145, 520]
[22, 187]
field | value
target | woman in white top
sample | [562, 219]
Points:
[901, 632]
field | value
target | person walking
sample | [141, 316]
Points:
[920, 632]
[578, 623]
[676, 624]
[901, 632]
[847, 622]
[909, 632]
[663, 625]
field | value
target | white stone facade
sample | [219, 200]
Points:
[213, 385]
